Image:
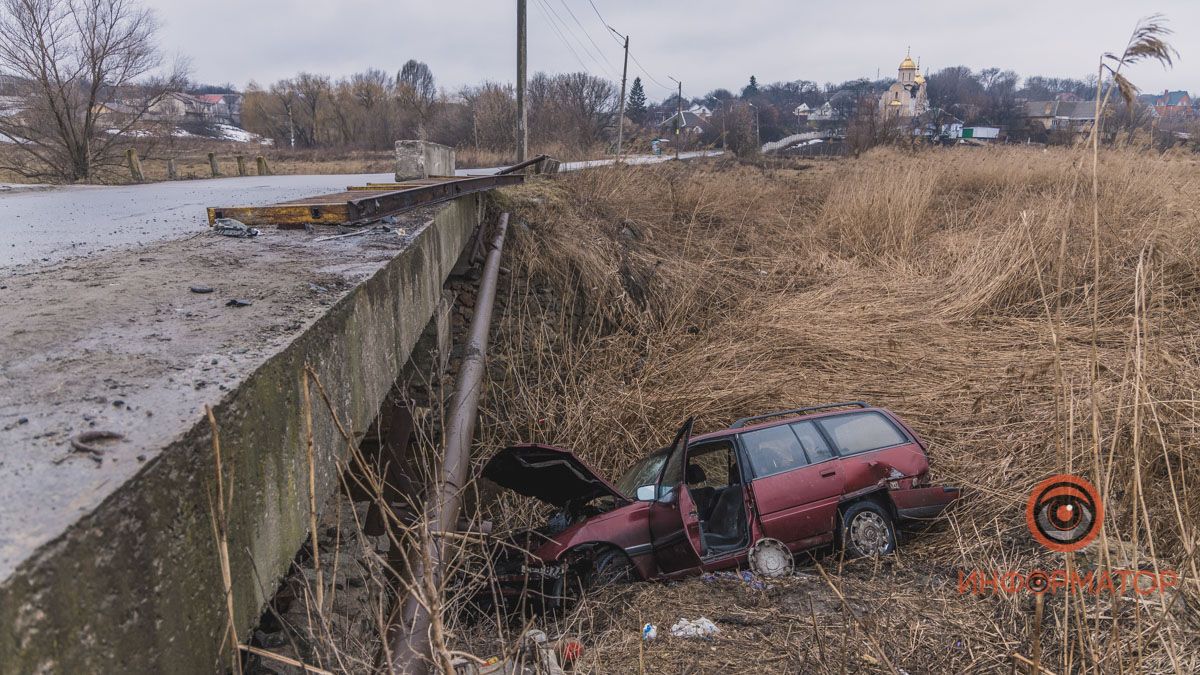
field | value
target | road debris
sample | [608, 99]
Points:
[378, 229]
[237, 302]
[230, 227]
[200, 289]
[538, 656]
[649, 631]
[744, 576]
[700, 628]
[82, 442]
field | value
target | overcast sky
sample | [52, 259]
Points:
[705, 43]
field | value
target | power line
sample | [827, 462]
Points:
[642, 68]
[586, 33]
[541, 5]
[575, 37]
[647, 73]
[598, 16]
[545, 12]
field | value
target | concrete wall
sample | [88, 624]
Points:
[422, 159]
[135, 586]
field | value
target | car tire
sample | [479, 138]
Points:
[610, 567]
[867, 530]
[592, 571]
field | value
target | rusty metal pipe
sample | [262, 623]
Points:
[408, 638]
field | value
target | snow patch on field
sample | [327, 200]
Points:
[232, 133]
[224, 132]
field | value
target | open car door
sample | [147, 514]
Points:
[673, 519]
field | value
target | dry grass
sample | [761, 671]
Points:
[953, 287]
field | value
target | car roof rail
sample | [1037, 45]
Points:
[796, 411]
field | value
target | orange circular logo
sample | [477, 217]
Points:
[1064, 513]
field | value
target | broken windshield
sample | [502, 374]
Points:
[644, 472]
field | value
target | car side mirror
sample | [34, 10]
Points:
[646, 493]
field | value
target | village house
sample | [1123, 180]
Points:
[840, 106]
[690, 123]
[1040, 118]
[1170, 104]
[179, 107]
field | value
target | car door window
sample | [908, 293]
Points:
[672, 475]
[813, 443]
[713, 462]
[861, 432]
[773, 450]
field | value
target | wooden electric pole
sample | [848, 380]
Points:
[678, 118]
[621, 115]
[522, 119]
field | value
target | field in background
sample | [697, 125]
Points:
[191, 160]
[954, 287]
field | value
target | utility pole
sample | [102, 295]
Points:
[724, 111]
[522, 119]
[678, 117]
[757, 128]
[621, 116]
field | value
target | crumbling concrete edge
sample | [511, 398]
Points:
[135, 586]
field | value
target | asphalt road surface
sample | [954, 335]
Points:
[51, 224]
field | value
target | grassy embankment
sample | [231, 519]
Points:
[956, 288]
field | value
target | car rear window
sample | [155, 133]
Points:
[861, 432]
[773, 450]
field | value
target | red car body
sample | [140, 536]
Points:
[672, 527]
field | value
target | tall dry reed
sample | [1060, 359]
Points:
[954, 287]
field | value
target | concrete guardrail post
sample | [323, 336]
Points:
[135, 165]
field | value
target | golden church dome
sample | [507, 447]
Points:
[908, 64]
[920, 79]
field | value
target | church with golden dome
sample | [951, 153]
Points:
[906, 98]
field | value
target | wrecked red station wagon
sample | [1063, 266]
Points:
[842, 473]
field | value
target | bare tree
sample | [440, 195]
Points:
[738, 122]
[272, 113]
[493, 110]
[313, 94]
[576, 109]
[77, 65]
[417, 93]
[370, 92]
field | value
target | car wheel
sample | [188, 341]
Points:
[867, 530]
[609, 568]
[592, 571]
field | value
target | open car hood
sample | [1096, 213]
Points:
[544, 472]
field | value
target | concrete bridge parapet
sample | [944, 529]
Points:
[114, 567]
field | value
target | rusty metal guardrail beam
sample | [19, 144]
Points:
[362, 204]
